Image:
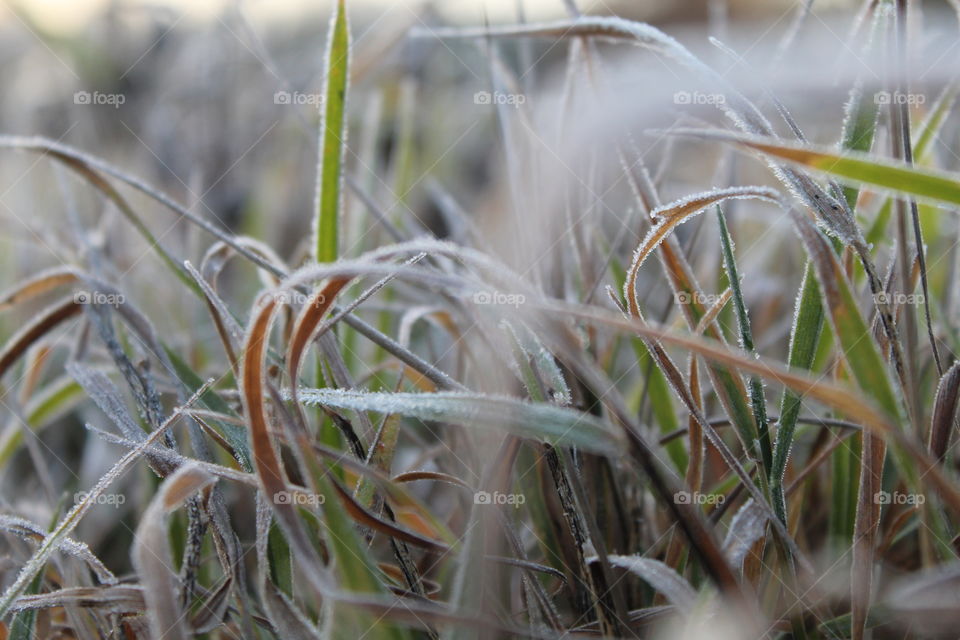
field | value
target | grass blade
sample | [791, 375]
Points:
[333, 137]
[556, 425]
[858, 168]
[804, 336]
[944, 412]
[669, 216]
[151, 553]
[757, 400]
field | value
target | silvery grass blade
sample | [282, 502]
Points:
[23, 528]
[556, 425]
[659, 576]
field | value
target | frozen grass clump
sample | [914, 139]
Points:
[472, 332]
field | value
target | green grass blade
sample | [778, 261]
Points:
[52, 402]
[757, 400]
[807, 326]
[934, 122]
[853, 334]
[659, 395]
[858, 131]
[858, 168]
[333, 137]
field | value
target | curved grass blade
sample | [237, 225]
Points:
[264, 455]
[48, 320]
[36, 285]
[727, 383]
[671, 215]
[152, 557]
[355, 566]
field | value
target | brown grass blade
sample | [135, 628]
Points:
[48, 320]
[675, 213]
[37, 285]
[266, 461]
[944, 413]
